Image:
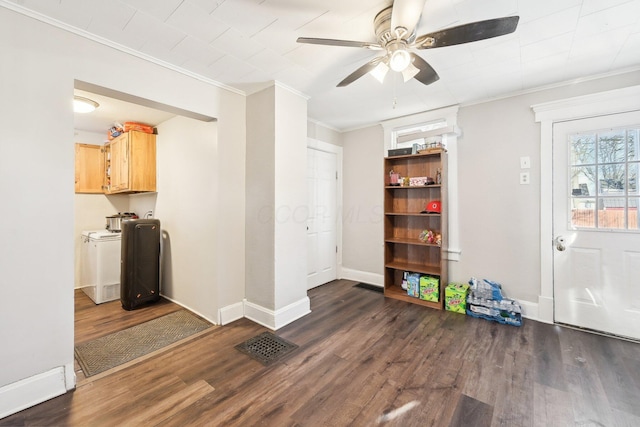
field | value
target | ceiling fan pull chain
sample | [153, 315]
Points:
[395, 98]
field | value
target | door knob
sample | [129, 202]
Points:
[560, 243]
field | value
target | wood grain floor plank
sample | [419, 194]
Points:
[551, 407]
[514, 399]
[615, 375]
[589, 400]
[549, 369]
[470, 411]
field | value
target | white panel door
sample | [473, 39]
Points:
[322, 219]
[596, 228]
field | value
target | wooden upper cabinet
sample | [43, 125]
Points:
[133, 163]
[89, 169]
[127, 164]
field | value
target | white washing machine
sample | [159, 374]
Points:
[100, 265]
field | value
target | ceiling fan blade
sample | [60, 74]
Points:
[334, 42]
[406, 14]
[360, 71]
[427, 74]
[466, 33]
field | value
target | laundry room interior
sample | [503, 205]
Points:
[184, 146]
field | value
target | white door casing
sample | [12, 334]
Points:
[596, 270]
[322, 221]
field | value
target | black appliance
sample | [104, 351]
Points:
[140, 263]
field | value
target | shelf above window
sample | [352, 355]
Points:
[411, 214]
[412, 187]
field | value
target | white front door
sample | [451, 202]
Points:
[322, 220]
[596, 228]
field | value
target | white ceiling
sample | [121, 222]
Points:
[244, 43]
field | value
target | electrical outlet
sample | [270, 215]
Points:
[524, 178]
[525, 162]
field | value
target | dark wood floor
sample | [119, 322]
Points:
[362, 360]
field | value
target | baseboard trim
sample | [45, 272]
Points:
[362, 276]
[231, 313]
[31, 391]
[212, 321]
[275, 320]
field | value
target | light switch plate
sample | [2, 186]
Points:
[525, 162]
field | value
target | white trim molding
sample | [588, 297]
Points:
[362, 276]
[275, 320]
[31, 391]
[548, 113]
[230, 313]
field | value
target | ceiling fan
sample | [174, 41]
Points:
[395, 29]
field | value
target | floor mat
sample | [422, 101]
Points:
[266, 348]
[369, 287]
[120, 347]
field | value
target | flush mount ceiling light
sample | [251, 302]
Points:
[84, 105]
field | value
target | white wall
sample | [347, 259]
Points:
[323, 133]
[260, 208]
[290, 198]
[186, 207]
[362, 214]
[499, 218]
[38, 69]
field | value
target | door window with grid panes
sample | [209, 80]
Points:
[603, 179]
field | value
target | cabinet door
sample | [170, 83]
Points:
[106, 162]
[142, 161]
[120, 163]
[89, 170]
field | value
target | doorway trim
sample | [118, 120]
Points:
[580, 107]
[316, 144]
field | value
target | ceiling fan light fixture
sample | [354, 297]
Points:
[84, 105]
[409, 72]
[399, 57]
[380, 71]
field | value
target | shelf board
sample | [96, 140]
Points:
[411, 214]
[407, 241]
[398, 293]
[409, 187]
[416, 268]
[414, 156]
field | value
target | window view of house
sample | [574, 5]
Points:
[604, 172]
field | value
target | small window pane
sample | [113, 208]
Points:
[611, 179]
[583, 149]
[632, 180]
[634, 214]
[611, 212]
[633, 136]
[583, 181]
[583, 213]
[611, 147]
